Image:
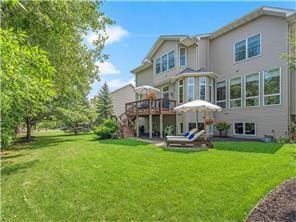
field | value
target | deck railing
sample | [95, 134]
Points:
[150, 106]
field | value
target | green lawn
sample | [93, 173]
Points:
[71, 178]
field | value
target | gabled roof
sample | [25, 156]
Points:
[184, 39]
[127, 85]
[251, 16]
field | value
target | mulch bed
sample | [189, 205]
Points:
[277, 206]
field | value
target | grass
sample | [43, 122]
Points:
[78, 178]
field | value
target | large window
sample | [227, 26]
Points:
[181, 91]
[252, 90]
[157, 66]
[247, 48]
[272, 87]
[164, 63]
[190, 86]
[165, 92]
[210, 90]
[240, 50]
[171, 59]
[235, 92]
[182, 57]
[245, 129]
[202, 88]
[221, 94]
[254, 46]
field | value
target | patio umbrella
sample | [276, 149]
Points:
[145, 89]
[198, 106]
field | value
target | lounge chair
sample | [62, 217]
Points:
[196, 140]
[186, 134]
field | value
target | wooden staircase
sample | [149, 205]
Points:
[126, 125]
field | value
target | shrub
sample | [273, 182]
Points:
[107, 130]
[222, 127]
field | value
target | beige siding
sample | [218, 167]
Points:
[274, 42]
[145, 77]
[203, 54]
[121, 97]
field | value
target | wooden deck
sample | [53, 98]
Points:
[150, 107]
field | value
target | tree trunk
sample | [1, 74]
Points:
[29, 129]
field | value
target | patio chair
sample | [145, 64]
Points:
[196, 140]
[186, 134]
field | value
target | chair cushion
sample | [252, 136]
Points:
[191, 136]
[186, 134]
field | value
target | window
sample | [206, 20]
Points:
[254, 46]
[182, 57]
[252, 90]
[210, 90]
[171, 59]
[191, 126]
[190, 85]
[240, 50]
[272, 87]
[200, 126]
[202, 88]
[180, 91]
[235, 92]
[180, 128]
[245, 129]
[157, 66]
[221, 94]
[164, 63]
[247, 48]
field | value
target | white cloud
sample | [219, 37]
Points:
[115, 34]
[107, 68]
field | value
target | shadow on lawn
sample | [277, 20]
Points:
[121, 142]
[252, 147]
[41, 142]
[15, 168]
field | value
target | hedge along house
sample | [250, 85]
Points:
[237, 67]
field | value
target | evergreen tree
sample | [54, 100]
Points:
[104, 104]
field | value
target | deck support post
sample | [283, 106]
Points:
[150, 126]
[137, 126]
[161, 125]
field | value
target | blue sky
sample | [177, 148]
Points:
[138, 25]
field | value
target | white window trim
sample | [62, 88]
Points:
[179, 132]
[245, 90]
[274, 94]
[244, 130]
[178, 98]
[190, 84]
[247, 58]
[215, 96]
[239, 107]
[180, 56]
[160, 57]
[205, 84]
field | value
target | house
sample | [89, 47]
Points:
[237, 67]
[121, 96]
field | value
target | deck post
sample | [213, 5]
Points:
[161, 125]
[150, 126]
[137, 126]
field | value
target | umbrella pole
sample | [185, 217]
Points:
[205, 126]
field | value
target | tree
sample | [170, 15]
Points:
[59, 27]
[26, 83]
[104, 104]
[76, 120]
[290, 57]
